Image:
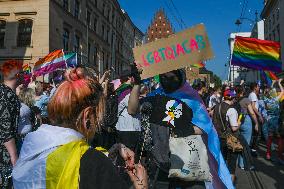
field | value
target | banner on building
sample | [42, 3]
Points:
[180, 50]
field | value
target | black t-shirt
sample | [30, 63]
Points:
[171, 113]
[97, 171]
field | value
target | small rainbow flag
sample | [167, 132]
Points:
[49, 63]
[27, 74]
[257, 54]
[198, 65]
[268, 76]
[27, 69]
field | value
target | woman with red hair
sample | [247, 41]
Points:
[58, 155]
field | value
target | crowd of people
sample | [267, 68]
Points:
[84, 132]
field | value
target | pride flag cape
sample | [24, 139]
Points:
[50, 158]
[49, 63]
[257, 54]
[218, 169]
[122, 91]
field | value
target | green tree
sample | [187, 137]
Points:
[216, 80]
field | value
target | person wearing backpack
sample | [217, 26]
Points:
[174, 85]
[225, 119]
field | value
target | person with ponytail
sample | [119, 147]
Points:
[59, 156]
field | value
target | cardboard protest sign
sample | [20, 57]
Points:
[185, 48]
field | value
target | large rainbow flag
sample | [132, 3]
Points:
[257, 54]
[49, 63]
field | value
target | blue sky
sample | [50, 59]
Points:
[219, 17]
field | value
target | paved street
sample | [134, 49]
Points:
[270, 174]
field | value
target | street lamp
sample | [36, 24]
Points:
[239, 21]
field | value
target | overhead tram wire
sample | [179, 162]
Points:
[178, 13]
[244, 7]
[172, 13]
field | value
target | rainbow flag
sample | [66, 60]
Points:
[268, 76]
[198, 65]
[27, 74]
[257, 54]
[49, 63]
[27, 69]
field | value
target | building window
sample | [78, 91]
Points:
[77, 9]
[103, 61]
[95, 24]
[66, 4]
[88, 18]
[112, 16]
[278, 33]
[103, 10]
[24, 33]
[89, 51]
[273, 35]
[103, 31]
[2, 32]
[77, 43]
[95, 55]
[107, 37]
[66, 35]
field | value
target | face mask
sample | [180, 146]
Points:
[170, 83]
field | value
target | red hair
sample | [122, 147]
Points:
[74, 95]
[10, 65]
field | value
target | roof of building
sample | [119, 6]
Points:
[160, 27]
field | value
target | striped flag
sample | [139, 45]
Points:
[268, 76]
[71, 60]
[49, 63]
[198, 65]
[27, 74]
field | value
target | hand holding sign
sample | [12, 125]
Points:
[177, 51]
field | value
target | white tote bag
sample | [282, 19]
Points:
[189, 159]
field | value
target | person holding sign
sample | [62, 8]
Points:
[174, 85]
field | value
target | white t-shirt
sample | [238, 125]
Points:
[232, 117]
[253, 98]
[127, 122]
[213, 100]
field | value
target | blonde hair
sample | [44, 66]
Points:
[27, 96]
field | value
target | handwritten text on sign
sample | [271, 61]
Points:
[188, 47]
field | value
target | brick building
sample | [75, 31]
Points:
[160, 27]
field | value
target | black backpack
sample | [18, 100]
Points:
[111, 111]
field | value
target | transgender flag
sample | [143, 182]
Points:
[49, 63]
